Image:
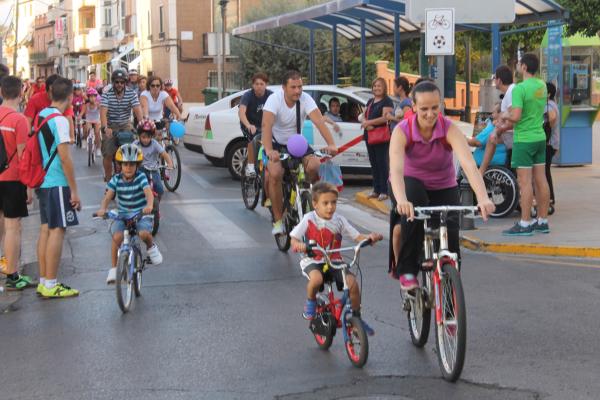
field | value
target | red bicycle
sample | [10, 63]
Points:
[333, 313]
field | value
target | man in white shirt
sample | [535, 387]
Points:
[504, 129]
[279, 123]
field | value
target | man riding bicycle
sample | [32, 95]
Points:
[115, 118]
[283, 113]
[251, 112]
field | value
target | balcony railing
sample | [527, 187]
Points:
[40, 57]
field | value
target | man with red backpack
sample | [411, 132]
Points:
[58, 192]
[14, 196]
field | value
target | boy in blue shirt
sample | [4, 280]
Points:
[133, 194]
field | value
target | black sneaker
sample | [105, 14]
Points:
[541, 228]
[518, 230]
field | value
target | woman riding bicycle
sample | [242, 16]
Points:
[92, 116]
[154, 99]
[422, 173]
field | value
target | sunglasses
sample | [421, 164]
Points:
[119, 82]
[155, 85]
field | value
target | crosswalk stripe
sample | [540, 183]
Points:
[215, 227]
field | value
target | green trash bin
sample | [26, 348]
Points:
[211, 94]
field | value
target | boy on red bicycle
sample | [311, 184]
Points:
[326, 227]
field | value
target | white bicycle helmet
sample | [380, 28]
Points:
[129, 153]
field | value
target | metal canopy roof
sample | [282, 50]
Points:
[378, 17]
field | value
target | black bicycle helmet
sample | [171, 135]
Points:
[119, 74]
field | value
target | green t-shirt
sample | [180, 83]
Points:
[530, 96]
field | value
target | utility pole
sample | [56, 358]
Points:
[16, 37]
[221, 72]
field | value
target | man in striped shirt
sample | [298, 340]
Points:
[115, 118]
[134, 195]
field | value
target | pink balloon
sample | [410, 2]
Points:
[297, 146]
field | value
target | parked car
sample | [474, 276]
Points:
[224, 144]
[196, 123]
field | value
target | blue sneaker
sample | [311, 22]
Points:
[370, 331]
[518, 230]
[541, 228]
[310, 309]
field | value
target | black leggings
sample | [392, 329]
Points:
[550, 152]
[378, 157]
[412, 234]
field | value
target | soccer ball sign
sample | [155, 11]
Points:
[439, 41]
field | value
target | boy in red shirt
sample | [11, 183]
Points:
[14, 196]
[41, 100]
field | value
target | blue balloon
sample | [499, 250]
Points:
[177, 129]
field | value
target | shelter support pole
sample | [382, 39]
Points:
[396, 44]
[311, 58]
[468, 79]
[334, 56]
[363, 53]
[496, 47]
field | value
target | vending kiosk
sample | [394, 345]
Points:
[568, 63]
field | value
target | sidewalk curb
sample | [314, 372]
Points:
[475, 244]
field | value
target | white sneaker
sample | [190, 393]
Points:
[278, 228]
[112, 276]
[155, 255]
[250, 172]
[84, 144]
[98, 153]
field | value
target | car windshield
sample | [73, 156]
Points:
[364, 94]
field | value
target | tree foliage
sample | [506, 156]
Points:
[584, 16]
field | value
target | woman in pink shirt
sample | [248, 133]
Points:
[422, 174]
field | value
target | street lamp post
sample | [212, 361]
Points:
[221, 72]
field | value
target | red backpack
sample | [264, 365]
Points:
[31, 169]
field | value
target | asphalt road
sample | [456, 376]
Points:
[220, 319]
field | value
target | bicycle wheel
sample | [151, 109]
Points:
[306, 201]
[323, 328]
[172, 178]
[357, 346]
[124, 283]
[502, 188]
[137, 275]
[419, 315]
[451, 332]
[155, 218]
[250, 188]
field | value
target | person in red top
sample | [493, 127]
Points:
[14, 196]
[39, 101]
[92, 81]
[174, 93]
[39, 86]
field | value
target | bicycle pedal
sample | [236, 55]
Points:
[148, 261]
[406, 306]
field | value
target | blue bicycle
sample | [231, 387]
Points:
[130, 263]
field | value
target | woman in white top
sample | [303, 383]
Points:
[154, 100]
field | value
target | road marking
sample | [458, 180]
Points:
[203, 183]
[216, 228]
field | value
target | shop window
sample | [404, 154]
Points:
[160, 21]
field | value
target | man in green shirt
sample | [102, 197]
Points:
[529, 148]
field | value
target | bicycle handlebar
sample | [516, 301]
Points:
[318, 153]
[426, 212]
[114, 215]
[312, 246]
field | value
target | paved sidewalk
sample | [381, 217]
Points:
[574, 225]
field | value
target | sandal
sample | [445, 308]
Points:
[382, 197]
[372, 195]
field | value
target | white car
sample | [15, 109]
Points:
[224, 144]
[196, 123]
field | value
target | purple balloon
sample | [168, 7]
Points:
[297, 146]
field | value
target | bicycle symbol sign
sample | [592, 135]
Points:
[439, 31]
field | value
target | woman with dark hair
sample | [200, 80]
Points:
[402, 103]
[154, 99]
[423, 174]
[376, 117]
[553, 142]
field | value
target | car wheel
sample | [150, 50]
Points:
[235, 158]
[217, 162]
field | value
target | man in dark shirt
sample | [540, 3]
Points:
[250, 113]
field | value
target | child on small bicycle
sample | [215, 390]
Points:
[326, 227]
[92, 118]
[133, 194]
[153, 152]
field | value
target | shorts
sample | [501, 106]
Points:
[283, 149]
[331, 275]
[110, 145]
[526, 155]
[249, 136]
[55, 207]
[13, 199]
[144, 224]
[156, 181]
